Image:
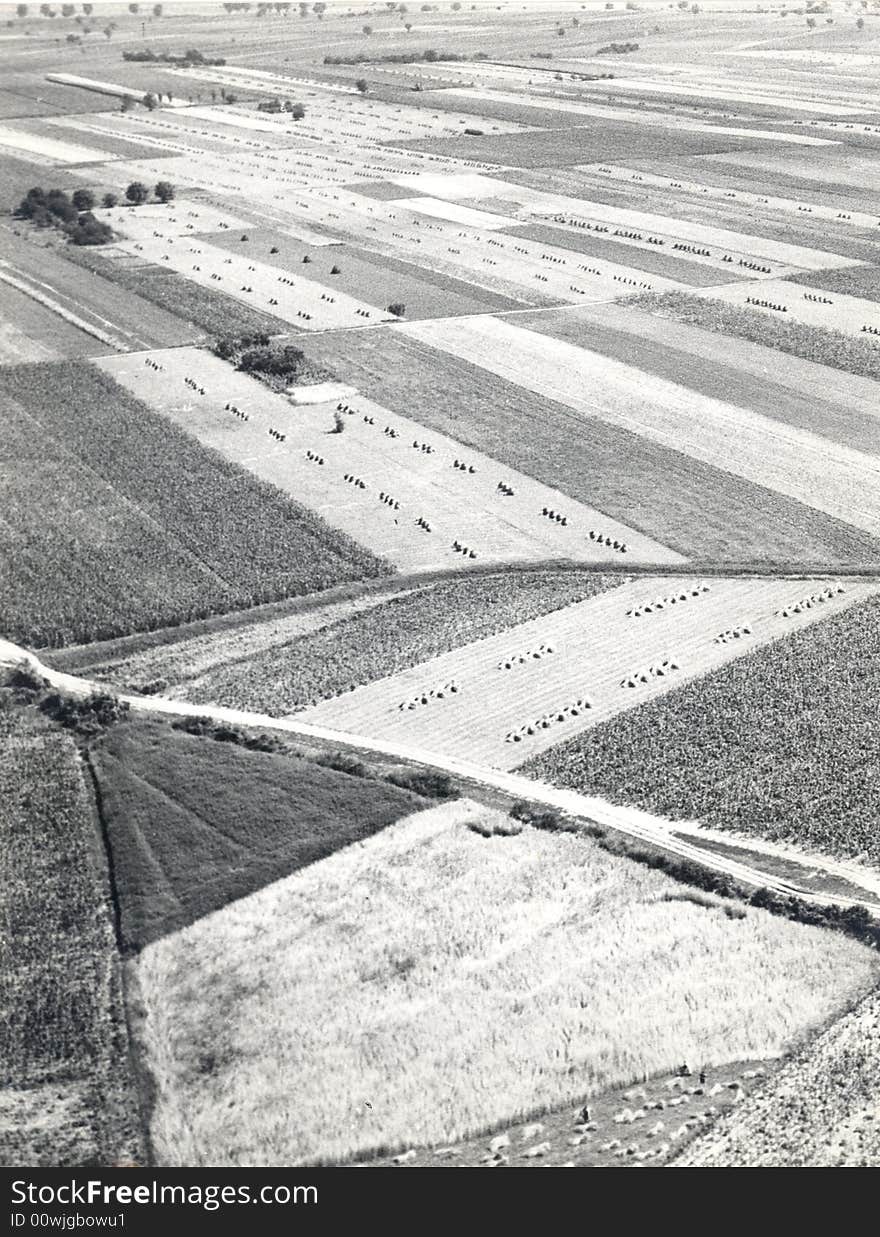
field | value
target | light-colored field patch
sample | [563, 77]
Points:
[458, 505]
[454, 212]
[45, 147]
[817, 472]
[598, 648]
[736, 91]
[110, 88]
[813, 306]
[430, 982]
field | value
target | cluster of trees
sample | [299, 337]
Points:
[54, 209]
[275, 106]
[253, 354]
[137, 193]
[68, 10]
[618, 49]
[430, 56]
[191, 56]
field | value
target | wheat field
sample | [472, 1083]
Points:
[432, 982]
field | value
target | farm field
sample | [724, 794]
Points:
[818, 1111]
[697, 509]
[853, 353]
[849, 315]
[827, 477]
[194, 823]
[114, 319]
[466, 926]
[147, 547]
[802, 393]
[420, 501]
[777, 745]
[333, 659]
[363, 275]
[67, 1092]
[437, 400]
[535, 685]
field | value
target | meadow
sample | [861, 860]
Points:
[780, 744]
[172, 532]
[367, 646]
[194, 822]
[433, 982]
[694, 507]
[67, 1094]
[818, 1111]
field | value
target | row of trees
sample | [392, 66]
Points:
[69, 10]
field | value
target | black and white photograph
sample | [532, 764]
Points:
[439, 599]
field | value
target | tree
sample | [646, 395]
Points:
[137, 193]
[21, 10]
[164, 190]
[87, 9]
[157, 10]
[83, 199]
[297, 111]
[361, 85]
[150, 101]
[367, 29]
[67, 10]
[860, 23]
[134, 8]
[109, 200]
[397, 308]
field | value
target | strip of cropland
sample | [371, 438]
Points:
[365, 275]
[505, 698]
[31, 331]
[825, 476]
[362, 648]
[42, 272]
[115, 520]
[421, 501]
[369, 991]
[841, 407]
[67, 1095]
[697, 509]
[780, 744]
[194, 822]
[843, 314]
[861, 281]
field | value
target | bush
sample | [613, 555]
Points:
[428, 783]
[397, 308]
[343, 762]
[541, 817]
[91, 715]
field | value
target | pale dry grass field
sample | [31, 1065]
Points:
[434, 982]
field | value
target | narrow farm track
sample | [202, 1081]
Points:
[631, 822]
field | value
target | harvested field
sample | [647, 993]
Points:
[853, 353]
[699, 510]
[422, 503]
[117, 521]
[836, 480]
[818, 1111]
[208, 309]
[804, 394]
[67, 1097]
[364, 275]
[361, 649]
[650, 260]
[194, 823]
[533, 686]
[778, 298]
[860, 281]
[780, 744]
[389, 996]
